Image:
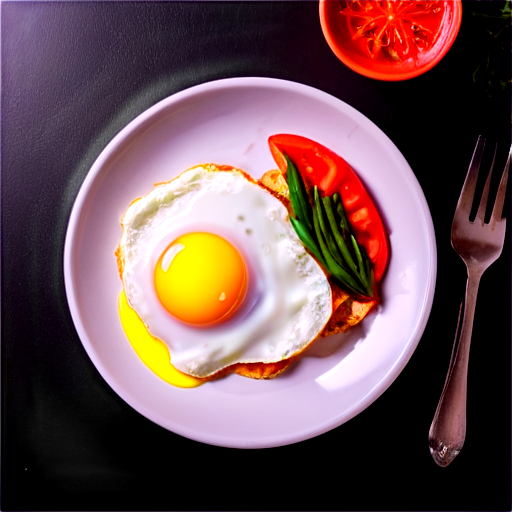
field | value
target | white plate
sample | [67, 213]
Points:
[229, 122]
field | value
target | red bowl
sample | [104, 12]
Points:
[390, 40]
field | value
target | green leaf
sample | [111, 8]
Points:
[292, 186]
[298, 194]
[307, 239]
[344, 278]
[359, 258]
[322, 226]
[329, 240]
[363, 263]
[338, 237]
[340, 210]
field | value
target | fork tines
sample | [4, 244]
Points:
[468, 190]
[497, 211]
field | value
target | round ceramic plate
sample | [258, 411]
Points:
[229, 122]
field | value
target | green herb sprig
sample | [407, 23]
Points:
[322, 226]
[485, 36]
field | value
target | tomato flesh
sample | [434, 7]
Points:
[320, 166]
[393, 31]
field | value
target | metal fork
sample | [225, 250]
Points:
[479, 244]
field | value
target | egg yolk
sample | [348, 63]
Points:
[153, 352]
[200, 279]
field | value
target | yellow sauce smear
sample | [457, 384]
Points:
[153, 352]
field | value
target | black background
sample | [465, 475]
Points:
[73, 75]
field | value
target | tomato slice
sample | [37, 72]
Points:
[322, 167]
[394, 31]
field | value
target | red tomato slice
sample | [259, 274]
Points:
[322, 167]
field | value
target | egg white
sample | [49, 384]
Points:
[288, 300]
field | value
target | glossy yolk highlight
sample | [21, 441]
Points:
[152, 351]
[200, 279]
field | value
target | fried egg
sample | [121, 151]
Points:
[213, 268]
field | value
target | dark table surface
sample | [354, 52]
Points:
[73, 75]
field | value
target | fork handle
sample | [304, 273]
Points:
[448, 430]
